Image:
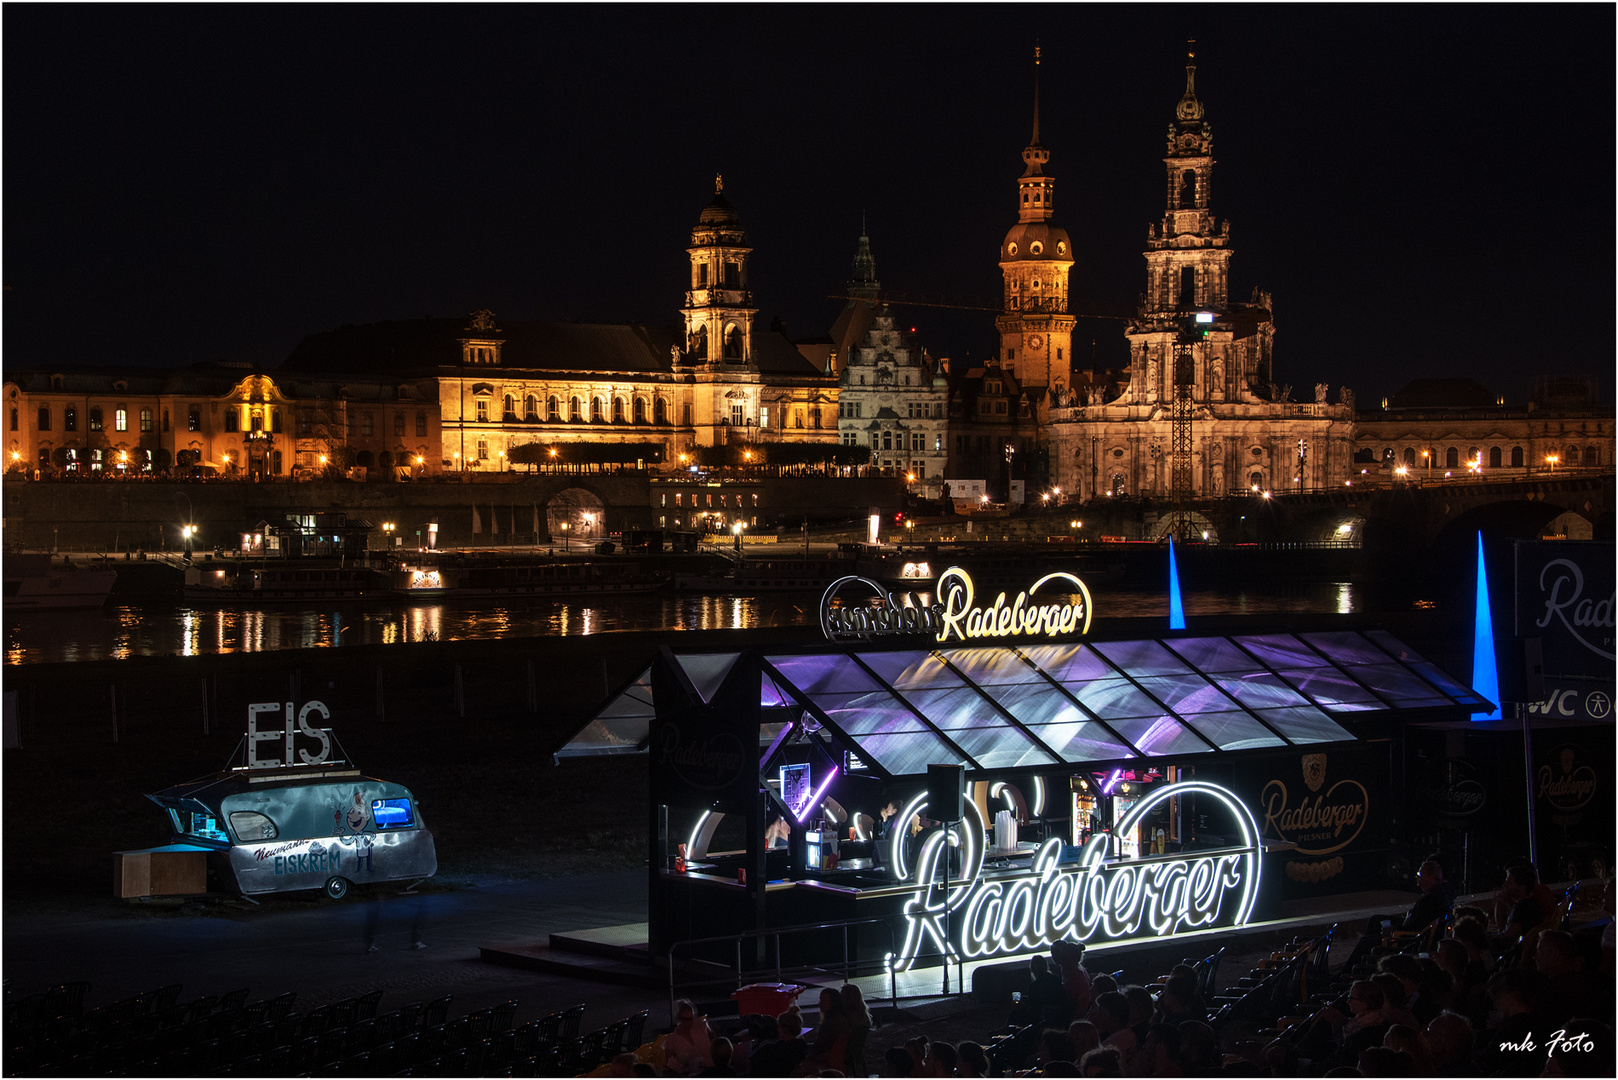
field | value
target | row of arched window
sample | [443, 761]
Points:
[576, 409]
[1495, 457]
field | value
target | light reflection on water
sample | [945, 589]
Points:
[150, 630]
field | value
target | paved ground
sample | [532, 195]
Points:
[319, 948]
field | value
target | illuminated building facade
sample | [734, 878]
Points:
[894, 399]
[1247, 432]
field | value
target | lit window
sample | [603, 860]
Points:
[247, 826]
[146, 419]
[120, 419]
[483, 411]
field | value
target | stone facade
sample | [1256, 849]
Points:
[894, 399]
[1246, 432]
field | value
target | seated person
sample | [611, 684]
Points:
[1437, 897]
[786, 1053]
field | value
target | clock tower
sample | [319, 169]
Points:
[1036, 331]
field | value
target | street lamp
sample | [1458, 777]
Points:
[736, 531]
[502, 461]
[1428, 454]
[387, 530]
[188, 532]
[565, 544]
[1551, 460]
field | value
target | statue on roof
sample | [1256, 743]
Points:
[482, 319]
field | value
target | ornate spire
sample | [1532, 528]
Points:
[718, 184]
[1034, 155]
[1189, 107]
[863, 285]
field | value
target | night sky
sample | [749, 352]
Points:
[1425, 190]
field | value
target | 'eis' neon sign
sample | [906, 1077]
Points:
[1089, 900]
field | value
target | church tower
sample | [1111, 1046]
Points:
[1036, 331]
[718, 315]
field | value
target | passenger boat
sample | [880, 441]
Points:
[34, 583]
[434, 576]
[771, 574]
[274, 582]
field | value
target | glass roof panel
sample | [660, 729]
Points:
[1069, 663]
[961, 707]
[1109, 698]
[1260, 690]
[906, 669]
[1280, 650]
[1142, 657]
[1397, 684]
[1081, 740]
[1331, 688]
[1002, 747]
[1346, 647]
[992, 666]
[1305, 724]
[1186, 693]
[861, 714]
[707, 670]
[608, 735]
[812, 674]
[636, 700]
[1398, 648]
[1161, 735]
[1041, 704]
[1439, 678]
[771, 696]
[907, 754]
[1212, 654]
[1234, 730]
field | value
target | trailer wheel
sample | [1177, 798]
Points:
[336, 887]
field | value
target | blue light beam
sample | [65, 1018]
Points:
[1485, 672]
[1176, 605]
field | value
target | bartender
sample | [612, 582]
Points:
[777, 834]
[884, 832]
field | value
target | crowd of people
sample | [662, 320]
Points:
[1431, 993]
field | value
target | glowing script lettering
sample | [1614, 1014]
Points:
[1091, 900]
[953, 612]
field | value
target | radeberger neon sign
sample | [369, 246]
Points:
[954, 613]
[1091, 900]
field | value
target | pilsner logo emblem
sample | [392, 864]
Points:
[1091, 900]
[954, 613]
[1571, 786]
[1317, 825]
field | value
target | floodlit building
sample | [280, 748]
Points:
[894, 398]
[1245, 430]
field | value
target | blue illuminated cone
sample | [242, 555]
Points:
[1176, 606]
[1485, 672]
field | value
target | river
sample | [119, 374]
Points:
[119, 631]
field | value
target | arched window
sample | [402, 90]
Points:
[552, 408]
[1592, 457]
[733, 342]
[1410, 456]
[887, 440]
[1188, 190]
[530, 408]
[1494, 457]
[509, 409]
[1516, 457]
[660, 412]
[575, 409]
[598, 410]
[699, 343]
[640, 410]
[617, 410]
[1452, 458]
[1571, 455]
[95, 419]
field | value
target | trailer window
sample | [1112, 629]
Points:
[205, 826]
[252, 826]
[392, 813]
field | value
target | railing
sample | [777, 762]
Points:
[848, 968]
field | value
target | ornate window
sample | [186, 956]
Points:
[120, 419]
[530, 408]
[640, 410]
[575, 409]
[617, 410]
[508, 411]
[660, 412]
[733, 342]
[1494, 457]
[738, 414]
[598, 410]
[1592, 457]
[1452, 458]
[553, 411]
[483, 449]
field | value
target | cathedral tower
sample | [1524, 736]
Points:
[1036, 331]
[718, 312]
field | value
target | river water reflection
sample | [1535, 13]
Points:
[121, 631]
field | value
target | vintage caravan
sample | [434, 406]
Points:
[280, 829]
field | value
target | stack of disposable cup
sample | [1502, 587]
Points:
[1005, 831]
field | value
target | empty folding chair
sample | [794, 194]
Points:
[368, 1004]
[502, 1015]
[550, 1028]
[233, 1001]
[437, 1011]
[634, 1026]
[280, 1006]
[570, 1023]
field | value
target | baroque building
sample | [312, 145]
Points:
[1189, 338]
[894, 398]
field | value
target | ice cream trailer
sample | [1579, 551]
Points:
[287, 828]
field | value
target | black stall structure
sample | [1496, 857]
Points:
[1117, 790]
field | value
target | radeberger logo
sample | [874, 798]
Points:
[1321, 824]
[955, 613]
[1091, 900]
[1570, 785]
[711, 766]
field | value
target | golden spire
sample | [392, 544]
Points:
[1036, 93]
[718, 184]
[1189, 107]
